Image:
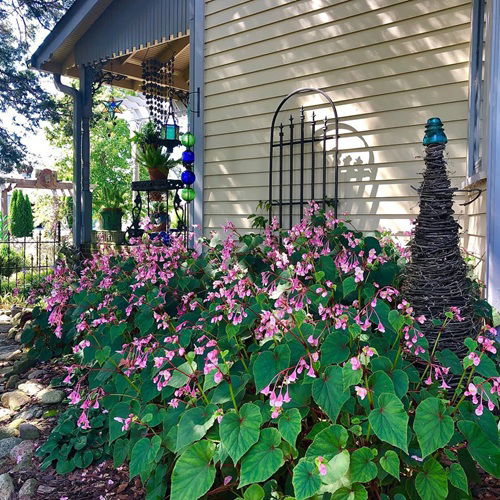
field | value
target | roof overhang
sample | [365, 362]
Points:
[117, 35]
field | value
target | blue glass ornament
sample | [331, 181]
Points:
[188, 177]
[434, 133]
[188, 157]
[165, 237]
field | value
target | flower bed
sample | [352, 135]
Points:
[285, 364]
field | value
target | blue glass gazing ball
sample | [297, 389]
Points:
[188, 177]
[188, 157]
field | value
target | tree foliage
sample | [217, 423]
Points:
[20, 215]
[22, 97]
[110, 151]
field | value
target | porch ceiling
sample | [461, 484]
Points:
[116, 36]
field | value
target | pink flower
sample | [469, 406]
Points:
[320, 463]
[218, 377]
[479, 410]
[368, 351]
[361, 391]
[227, 480]
[312, 340]
[74, 397]
[421, 319]
[356, 365]
[380, 327]
[475, 358]
[83, 421]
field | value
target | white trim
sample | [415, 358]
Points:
[492, 152]
[197, 82]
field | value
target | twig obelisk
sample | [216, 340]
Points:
[436, 277]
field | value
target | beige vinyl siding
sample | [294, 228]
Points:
[389, 65]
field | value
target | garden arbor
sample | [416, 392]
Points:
[106, 42]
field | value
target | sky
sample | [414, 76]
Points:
[37, 145]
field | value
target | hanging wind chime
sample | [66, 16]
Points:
[158, 89]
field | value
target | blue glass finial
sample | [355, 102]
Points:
[434, 132]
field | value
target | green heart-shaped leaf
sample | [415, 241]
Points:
[390, 463]
[328, 442]
[362, 468]
[432, 483]
[290, 424]
[306, 480]
[389, 421]
[328, 391]
[263, 459]
[238, 432]
[432, 426]
[194, 424]
[193, 474]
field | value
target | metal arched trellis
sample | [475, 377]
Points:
[311, 142]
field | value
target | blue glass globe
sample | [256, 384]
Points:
[165, 237]
[188, 177]
[188, 157]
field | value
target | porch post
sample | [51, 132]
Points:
[196, 88]
[87, 75]
[492, 153]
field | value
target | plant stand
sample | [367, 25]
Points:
[165, 187]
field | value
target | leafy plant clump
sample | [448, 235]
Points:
[285, 365]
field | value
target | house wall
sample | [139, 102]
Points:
[388, 64]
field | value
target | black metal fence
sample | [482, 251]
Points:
[303, 162]
[25, 261]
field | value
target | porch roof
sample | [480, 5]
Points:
[117, 35]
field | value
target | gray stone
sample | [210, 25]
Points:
[7, 432]
[35, 374]
[28, 489]
[12, 382]
[45, 490]
[31, 388]
[6, 487]
[51, 396]
[7, 351]
[23, 365]
[30, 412]
[4, 318]
[29, 432]
[7, 444]
[22, 454]
[5, 414]
[14, 400]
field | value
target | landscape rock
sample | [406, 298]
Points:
[5, 414]
[45, 490]
[7, 351]
[22, 454]
[14, 400]
[23, 365]
[35, 374]
[7, 432]
[7, 444]
[51, 396]
[17, 336]
[28, 489]
[6, 487]
[12, 382]
[31, 388]
[29, 432]
[30, 412]
[4, 319]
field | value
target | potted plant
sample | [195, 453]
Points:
[112, 200]
[150, 154]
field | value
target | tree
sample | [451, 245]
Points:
[14, 214]
[28, 216]
[21, 94]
